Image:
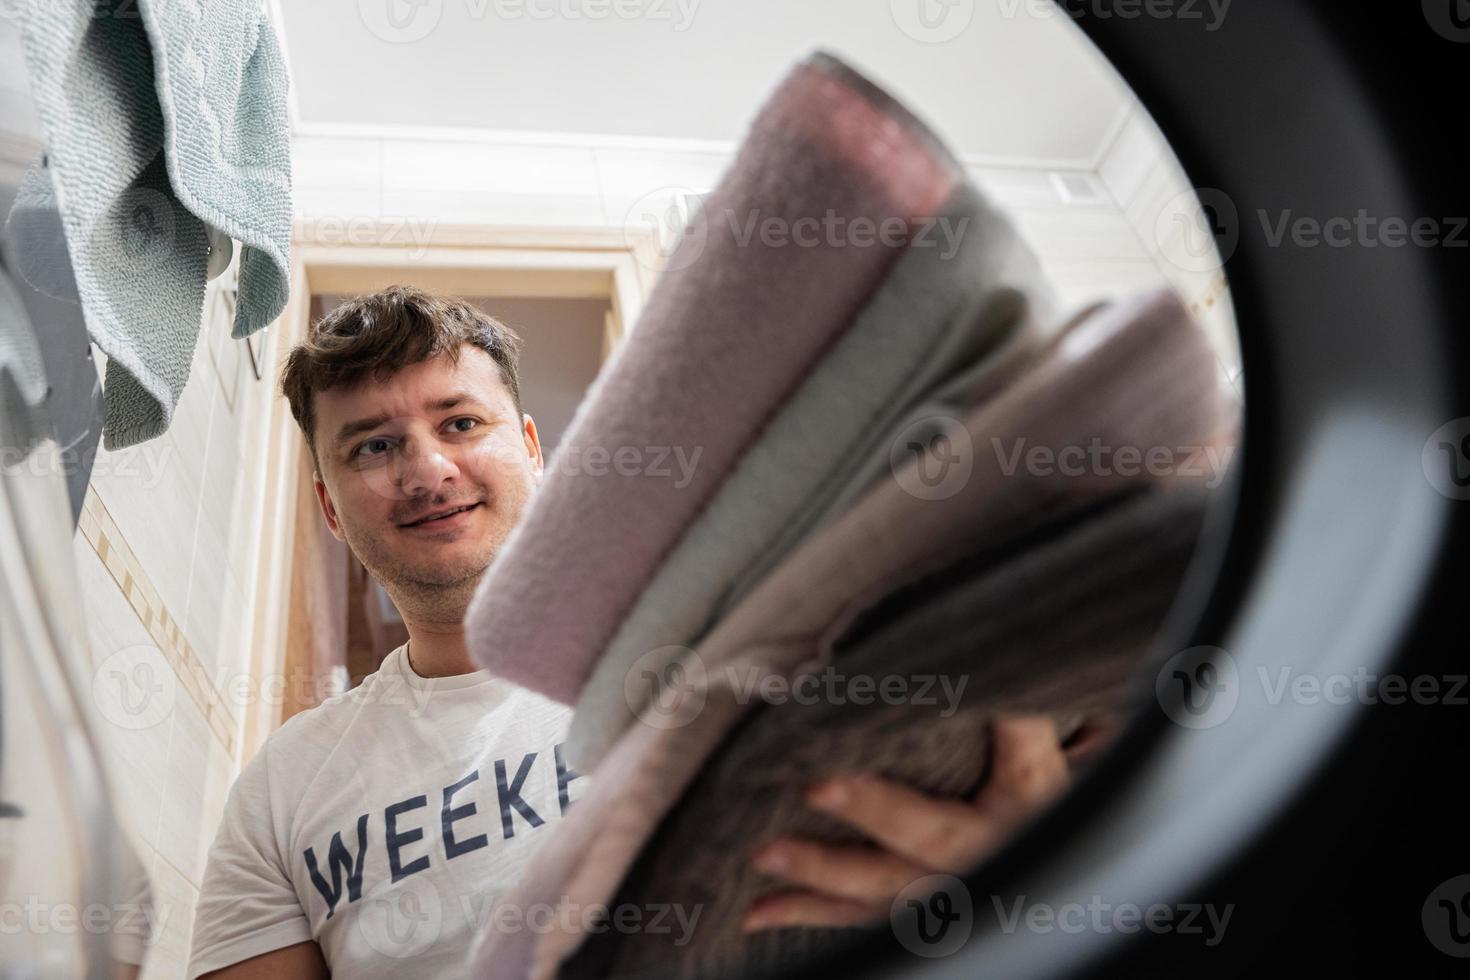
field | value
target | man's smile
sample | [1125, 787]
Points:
[443, 518]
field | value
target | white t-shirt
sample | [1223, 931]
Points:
[384, 823]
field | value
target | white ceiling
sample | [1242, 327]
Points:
[1016, 84]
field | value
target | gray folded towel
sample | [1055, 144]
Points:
[158, 127]
[1056, 618]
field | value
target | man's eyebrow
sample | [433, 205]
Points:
[359, 426]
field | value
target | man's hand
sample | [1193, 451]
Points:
[917, 835]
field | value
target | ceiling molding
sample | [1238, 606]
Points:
[667, 144]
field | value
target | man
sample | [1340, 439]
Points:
[371, 835]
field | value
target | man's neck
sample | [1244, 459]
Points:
[438, 650]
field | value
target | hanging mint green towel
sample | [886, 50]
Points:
[161, 121]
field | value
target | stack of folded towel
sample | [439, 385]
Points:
[166, 136]
[866, 499]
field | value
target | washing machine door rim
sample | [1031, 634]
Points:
[1324, 557]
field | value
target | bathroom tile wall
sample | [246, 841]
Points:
[165, 573]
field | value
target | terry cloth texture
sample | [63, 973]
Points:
[943, 319]
[1132, 376]
[1056, 620]
[731, 329]
[158, 126]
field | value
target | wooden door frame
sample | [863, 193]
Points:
[334, 257]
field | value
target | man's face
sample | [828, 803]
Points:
[425, 474]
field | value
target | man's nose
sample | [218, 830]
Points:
[425, 466]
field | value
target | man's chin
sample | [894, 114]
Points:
[448, 569]
[421, 567]
[445, 573]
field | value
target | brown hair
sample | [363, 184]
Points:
[381, 333]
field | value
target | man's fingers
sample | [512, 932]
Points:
[809, 909]
[858, 873]
[1028, 768]
[937, 835]
[1028, 771]
[1096, 733]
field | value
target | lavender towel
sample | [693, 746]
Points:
[730, 330]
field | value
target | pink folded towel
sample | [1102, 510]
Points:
[745, 309]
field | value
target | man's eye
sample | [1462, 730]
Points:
[373, 447]
[464, 424]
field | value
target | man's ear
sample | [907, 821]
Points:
[329, 510]
[533, 443]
